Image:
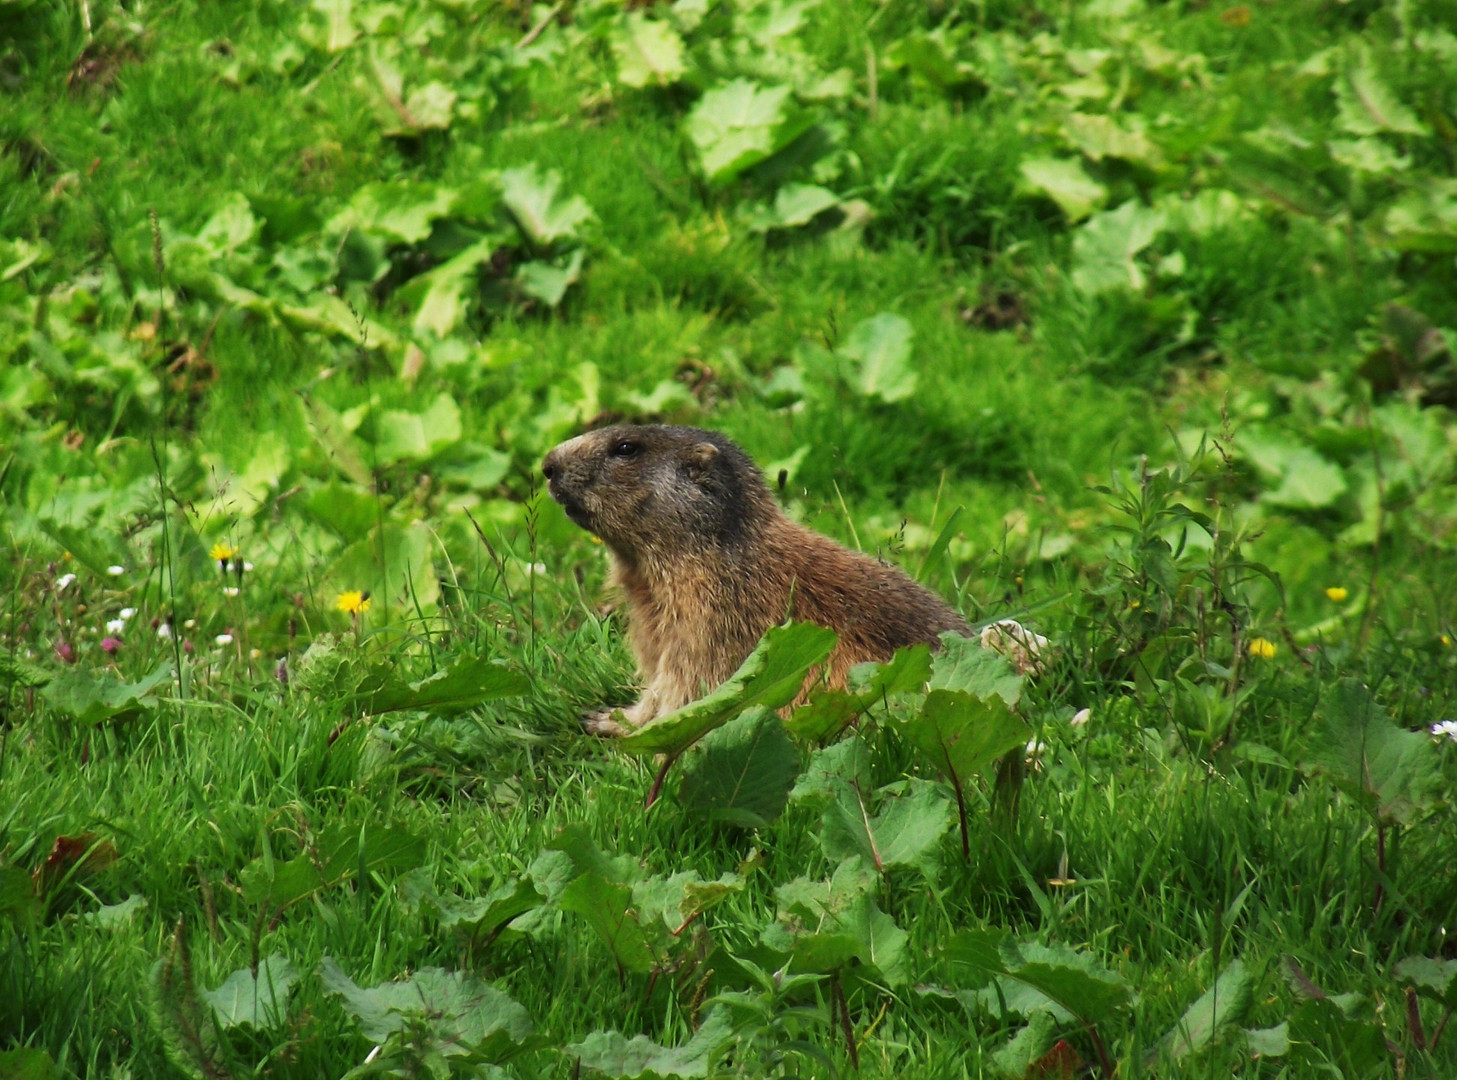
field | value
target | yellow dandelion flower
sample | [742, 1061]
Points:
[1335, 594]
[222, 551]
[354, 602]
[1264, 648]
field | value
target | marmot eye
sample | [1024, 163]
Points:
[624, 449]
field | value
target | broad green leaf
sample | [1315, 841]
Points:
[881, 349]
[607, 907]
[1306, 480]
[799, 204]
[534, 199]
[473, 466]
[339, 444]
[1433, 978]
[94, 697]
[1323, 1038]
[827, 939]
[1368, 156]
[260, 1000]
[1073, 981]
[336, 855]
[773, 675]
[674, 901]
[1099, 136]
[1366, 105]
[547, 282]
[932, 56]
[1019, 1057]
[770, 22]
[1390, 772]
[906, 672]
[1424, 218]
[95, 549]
[666, 396]
[829, 711]
[882, 945]
[331, 315]
[393, 565]
[739, 124]
[468, 681]
[399, 211]
[429, 108]
[906, 831]
[339, 31]
[1268, 1042]
[445, 293]
[1065, 182]
[232, 226]
[345, 509]
[614, 1055]
[1223, 1004]
[28, 1063]
[1208, 211]
[245, 490]
[18, 900]
[1105, 247]
[962, 664]
[830, 770]
[444, 1013]
[576, 843]
[417, 436]
[480, 917]
[962, 734]
[648, 51]
[17, 256]
[742, 773]
[820, 948]
[551, 872]
[109, 916]
[815, 901]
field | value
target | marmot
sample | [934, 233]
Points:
[708, 562]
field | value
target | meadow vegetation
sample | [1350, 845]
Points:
[1133, 322]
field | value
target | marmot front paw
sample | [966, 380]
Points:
[601, 722]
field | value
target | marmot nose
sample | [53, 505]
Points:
[548, 468]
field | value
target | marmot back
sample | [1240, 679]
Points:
[708, 562]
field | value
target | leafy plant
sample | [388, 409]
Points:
[744, 772]
[446, 1023]
[772, 676]
[1390, 773]
[1028, 978]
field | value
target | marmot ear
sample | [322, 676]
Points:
[699, 458]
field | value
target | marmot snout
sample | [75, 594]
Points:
[708, 562]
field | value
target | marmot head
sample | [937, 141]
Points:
[656, 492]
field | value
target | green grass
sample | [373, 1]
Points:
[1297, 310]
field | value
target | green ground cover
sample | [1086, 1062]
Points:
[1134, 322]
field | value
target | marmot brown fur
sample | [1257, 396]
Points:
[708, 562]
